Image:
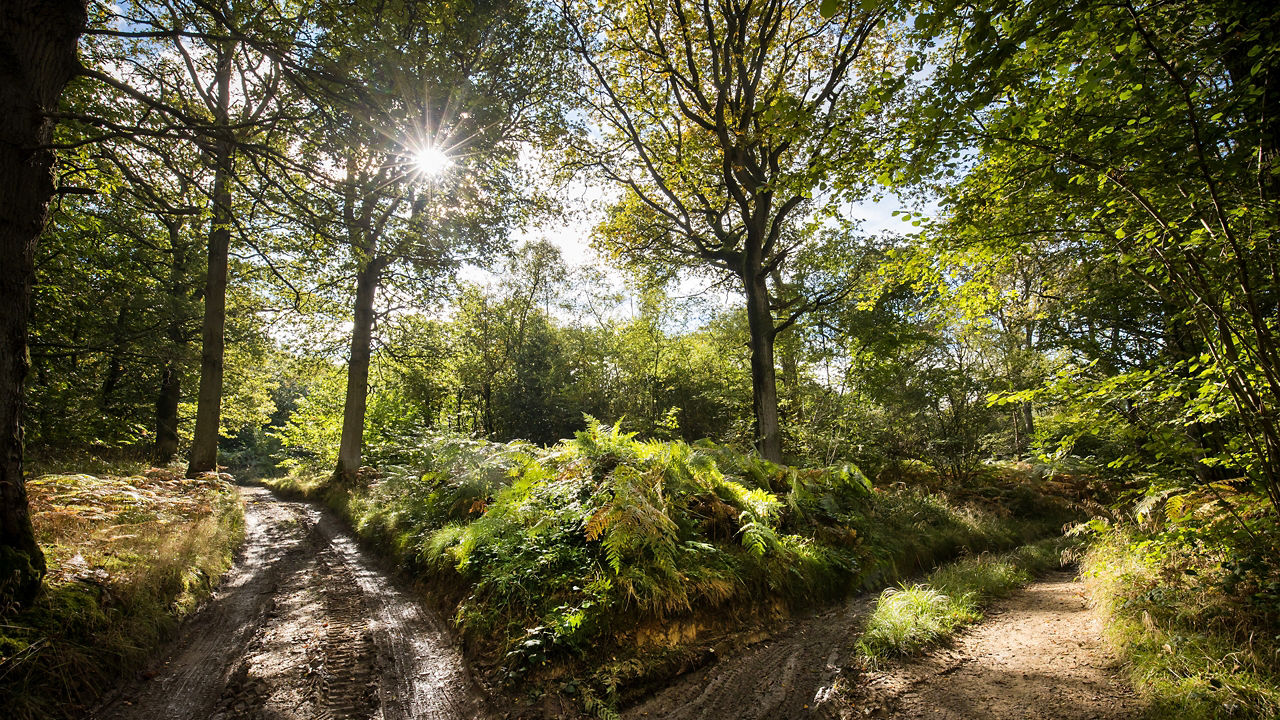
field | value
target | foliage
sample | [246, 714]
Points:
[1190, 586]
[1139, 136]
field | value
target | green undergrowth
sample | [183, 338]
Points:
[605, 562]
[1190, 588]
[912, 618]
[127, 557]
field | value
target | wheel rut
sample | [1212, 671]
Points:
[304, 626]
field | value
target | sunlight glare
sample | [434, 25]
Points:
[431, 161]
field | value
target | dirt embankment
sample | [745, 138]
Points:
[304, 626]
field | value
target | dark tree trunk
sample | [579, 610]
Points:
[1028, 424]
[170, 393]
[115, 361]
[204, 444]
[167, 414]
[37, 59]
[764, 387]
[350, 451]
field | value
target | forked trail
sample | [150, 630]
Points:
[307, 626]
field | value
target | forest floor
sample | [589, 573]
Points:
[305, 625]
[1038, 655]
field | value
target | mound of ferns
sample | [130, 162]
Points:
[564, 546]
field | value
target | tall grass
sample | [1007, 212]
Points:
[909, 619]
[128, 557]
[1195, 649]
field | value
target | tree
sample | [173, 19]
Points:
[469, 99]
[37, 59]
[1150, 132]
[731, 128]
[211, 74]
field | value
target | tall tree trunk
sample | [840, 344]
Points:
[204, 444]
[170, 393]
[353, 410]
[764, 387]
[115, 361]
[167, 414]
[37, 59]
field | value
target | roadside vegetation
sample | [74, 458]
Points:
[129, 556]
[1190, 586]
[604, 562]
[912, 618]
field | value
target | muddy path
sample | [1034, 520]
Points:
[1038, 655]
[792, 674]
[305, 625]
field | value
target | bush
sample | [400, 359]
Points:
[1190, 586]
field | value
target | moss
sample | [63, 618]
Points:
[19, 576]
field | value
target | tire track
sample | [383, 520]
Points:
[305, 625]
[790, 675]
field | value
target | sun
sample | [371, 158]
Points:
[431, 161]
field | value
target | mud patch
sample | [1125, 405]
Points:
[791, 674]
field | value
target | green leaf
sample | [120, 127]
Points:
[829, 8]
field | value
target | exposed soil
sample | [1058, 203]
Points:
[792, 674]
[304, 626]
[1039, 655]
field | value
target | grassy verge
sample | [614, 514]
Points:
[128, 557]
[1196, 614]
[605, 562]
[909, 619]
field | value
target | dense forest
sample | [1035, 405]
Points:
[624, 326]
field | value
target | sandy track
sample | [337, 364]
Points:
[304, 626]
[1039, 656]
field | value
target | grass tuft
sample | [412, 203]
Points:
[909, 619]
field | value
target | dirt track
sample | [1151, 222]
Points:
[790, 675]
[1039, 655]
[304, 626]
